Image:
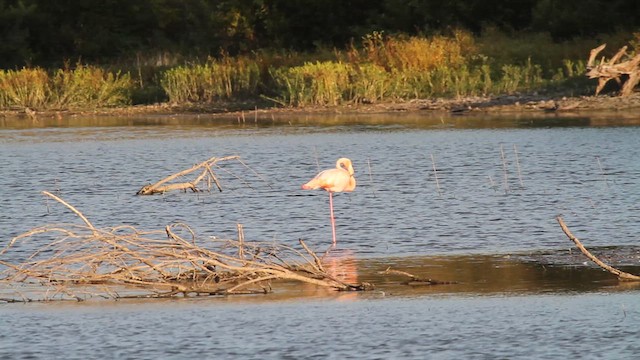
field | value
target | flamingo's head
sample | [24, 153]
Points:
[344, 163]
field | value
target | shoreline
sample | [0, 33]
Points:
[495, 105]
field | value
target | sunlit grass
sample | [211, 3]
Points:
[82, 87]
[376, 68]
[88, 86]
[225, 79]
[24, 88]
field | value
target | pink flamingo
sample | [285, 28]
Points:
[334, 180]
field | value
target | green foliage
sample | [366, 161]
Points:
[82, 87]
[24, 88]
[45, 32]
[88, 86]
[404, 68]
[320, 83]
[380, 68]
[520, 77]
[226, 79]
[369, 83]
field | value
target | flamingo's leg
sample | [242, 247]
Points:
[333, 220]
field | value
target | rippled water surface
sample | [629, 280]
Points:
[484, 219]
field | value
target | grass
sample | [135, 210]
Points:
[378, 68]
[81, 87]
[225, 79]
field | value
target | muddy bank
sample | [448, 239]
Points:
[504, 104]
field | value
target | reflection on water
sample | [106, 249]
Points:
[558, 272]
[178, 122]
[341, 265]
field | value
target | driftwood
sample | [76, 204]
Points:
[619, 273]
[415, 280]
[206, 175]
[83, 261]
[620, 64]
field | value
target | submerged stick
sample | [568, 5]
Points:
[435, 174]
[415, 280]
[604, 176]
[504, 169]
[619, 273]
[515, 151]
[371, 178]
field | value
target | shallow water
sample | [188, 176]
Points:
[487, 225]
[587, 174]
[584, 325]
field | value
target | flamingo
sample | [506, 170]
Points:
[334, 180]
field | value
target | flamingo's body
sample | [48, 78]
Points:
[334, 180]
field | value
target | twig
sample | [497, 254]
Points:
[492, 183]
[504, 169]
[435, 173]
[240, 242]
[255, 173]
[86, 221]
[370, 178]
[515, 151]
[318, 263]
[619, 273]
[604, 176]
[414, 279]
[156, 263]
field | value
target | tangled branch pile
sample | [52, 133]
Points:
[205, 176]
[613, 69]
[119, 262]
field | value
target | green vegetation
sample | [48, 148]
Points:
[380, 68]
[298, 52]
[227, 79]
[82, 87]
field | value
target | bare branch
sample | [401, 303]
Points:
[619, 273]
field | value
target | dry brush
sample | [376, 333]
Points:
[82, 261]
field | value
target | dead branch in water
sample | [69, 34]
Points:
[80, 261]
[614, 69]
[619, 273]
[415, 280]
[206, 175]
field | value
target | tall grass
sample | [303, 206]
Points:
[24, 88]
[320, 83]
[391, 68]
[87, 86]
[226, 79]
[378, 68]
[82, 87]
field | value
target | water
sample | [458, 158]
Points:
[590, 326]
[488, 224]
[587, 174]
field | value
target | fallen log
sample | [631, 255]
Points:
[623, 276]
[613, 69]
